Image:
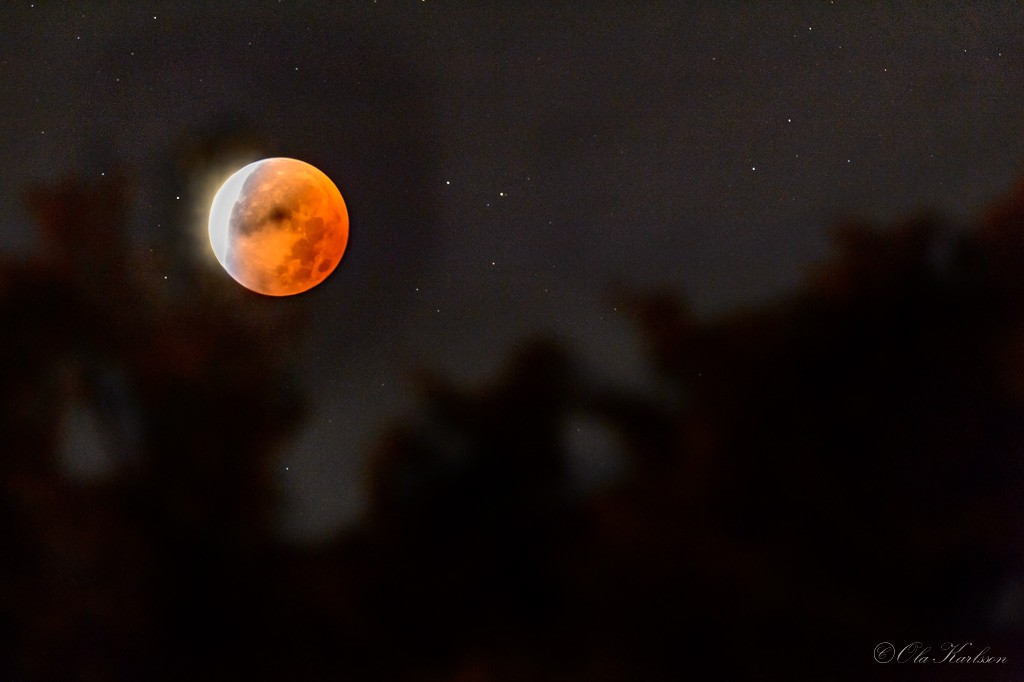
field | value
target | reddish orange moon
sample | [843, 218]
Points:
[279, 226]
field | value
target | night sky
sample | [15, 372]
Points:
[508, 168]
[505, 166]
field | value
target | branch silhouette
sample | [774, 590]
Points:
[836, 468]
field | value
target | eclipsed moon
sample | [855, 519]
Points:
[279, 226]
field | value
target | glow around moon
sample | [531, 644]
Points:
[279, 226]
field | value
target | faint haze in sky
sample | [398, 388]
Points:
[504, 167]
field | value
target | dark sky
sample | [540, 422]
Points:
[504, 165]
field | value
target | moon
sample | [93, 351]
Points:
[279, 226]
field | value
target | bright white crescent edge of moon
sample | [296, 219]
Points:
[220, 212]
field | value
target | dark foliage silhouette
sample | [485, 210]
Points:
[806, 479]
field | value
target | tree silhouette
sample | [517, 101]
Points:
[798, 482]
[835, 469]
[109, 576]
